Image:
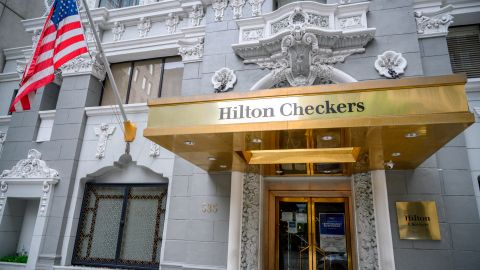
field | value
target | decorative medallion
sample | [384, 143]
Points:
[144, 26]
[118, 30]
[104, 131]
[172, 22]
[196, 15]
[31, 167]
[154, 150]
[219, 7]
[223, 80]
[390, 64]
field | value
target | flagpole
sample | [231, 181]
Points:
[130, 128]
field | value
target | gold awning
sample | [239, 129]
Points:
[359, 125]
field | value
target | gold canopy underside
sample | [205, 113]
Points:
[433, 108]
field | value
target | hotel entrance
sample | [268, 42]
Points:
[312, 233]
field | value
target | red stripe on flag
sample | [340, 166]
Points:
[68, 42]
[33, 87]
[67, 27]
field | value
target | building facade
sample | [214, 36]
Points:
[192, 192]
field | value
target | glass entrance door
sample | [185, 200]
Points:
[313, 233]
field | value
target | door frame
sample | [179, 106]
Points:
[328, 189]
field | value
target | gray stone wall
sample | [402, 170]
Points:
[197, 225]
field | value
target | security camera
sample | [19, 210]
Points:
[389, 165]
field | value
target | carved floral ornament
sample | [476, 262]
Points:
[31, 167]
[223, 80]
[196, 15]
[390, 64]
[430, 24]
[85, 64]
[299, 49]
[191, 50]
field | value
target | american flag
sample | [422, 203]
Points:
[61, 40]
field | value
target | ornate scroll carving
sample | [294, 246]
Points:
[250, 219]
[256, 7]
[219, 7]
[434, 23]
[196, 15]
[350, 22]
[191, 50]
[84, 64]
[365, 222]
[103, 132]
[31, 167]
[172, 22]
[390, 64]
[318, 20]
[154, 150]
[237, 6]
[252, 34]
[118, 30]
[144, 26]
[223, 80]
[3, 196]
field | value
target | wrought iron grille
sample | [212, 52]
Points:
[121, 226]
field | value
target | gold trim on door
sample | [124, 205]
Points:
[312, 247]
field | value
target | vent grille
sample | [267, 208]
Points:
[464, 50]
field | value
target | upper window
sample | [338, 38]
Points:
[139, 81]
[111, 4]
[121, 226]
[464, 49]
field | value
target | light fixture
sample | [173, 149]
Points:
[188, 142]
[396, 154]
[390, 164]
[411, 135]
[327, 171]
[256, 140]
[327, 138]
[212, 158]
[278, 171]
[223, 166]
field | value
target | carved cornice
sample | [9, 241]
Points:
[31, 167]
[330, 33]
[191, 50]
[433, 23]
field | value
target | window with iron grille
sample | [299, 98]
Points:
[464, 49]
[121, 226]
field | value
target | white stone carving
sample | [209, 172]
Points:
[435, 23]
[223, 80]
[154, 150]
[35, 37]
[299, 47]
[84, 64]
[172, 22]
[144, 26]
[104, 131]
[365, 222]
[256, 7]
[390, 64]
[191, 50]
[118, 30]
[219, 7]
[31, 167]
[45, 198]
[3, 137]
[237, 6]
[350, 22]
[20, 67]
[3, 197]
[250, 219]
[252, 34]
[88, 32]
[196, 15]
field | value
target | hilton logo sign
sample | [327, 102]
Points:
[288, 109]
[418, 220]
